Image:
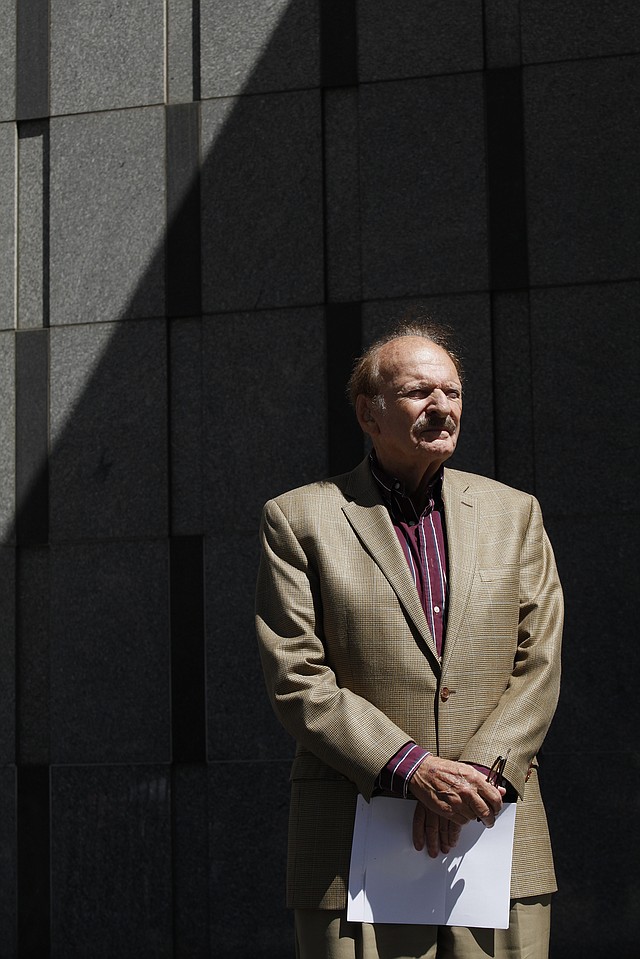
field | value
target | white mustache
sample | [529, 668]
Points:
[434, 423]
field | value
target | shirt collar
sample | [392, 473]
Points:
[395, 495]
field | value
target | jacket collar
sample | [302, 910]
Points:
[370, 521]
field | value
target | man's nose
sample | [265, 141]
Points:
[439, 402]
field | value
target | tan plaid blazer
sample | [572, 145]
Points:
[353, 673]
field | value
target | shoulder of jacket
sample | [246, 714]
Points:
[312, 494]
[485, 486]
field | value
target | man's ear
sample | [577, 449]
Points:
[366, 416]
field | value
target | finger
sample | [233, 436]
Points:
[454, 834]
[444, 834]
[419, 816]
[432, 833]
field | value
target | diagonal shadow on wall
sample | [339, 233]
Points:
[185, 377]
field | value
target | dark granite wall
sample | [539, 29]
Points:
[205, 210]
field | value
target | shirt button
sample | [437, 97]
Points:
[436, 609]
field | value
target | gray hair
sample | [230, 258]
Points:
[365, 377]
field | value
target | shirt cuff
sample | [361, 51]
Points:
[396, 775]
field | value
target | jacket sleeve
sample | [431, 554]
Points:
[522, 716]
[341, 728]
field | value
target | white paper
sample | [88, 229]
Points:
[389, 881]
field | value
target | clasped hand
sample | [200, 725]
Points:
[449, 795]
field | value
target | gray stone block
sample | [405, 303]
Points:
[262, 202]
[597, 557]
[468, 318]
[343, 227]
[422, 165]
[108, 216]
[233, 788]
[7, 59]
[410, 38]
[108, 431]
[7, 658]
[111, 861]
[256, 46]
[563, 30]
[32, 160]
[582, 198]
[190, 861]
[180, 64]
[265, 425]
[593, 884]
[8, 859]
[8, 226]
[106, 56]
[241, 723]
[502, 33]
[7, 437]
[586, 350]
[512, 390]
[33, 584]
[109, 653]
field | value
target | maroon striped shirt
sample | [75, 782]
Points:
[422, 537]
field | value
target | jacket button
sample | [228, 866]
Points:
[445, 692]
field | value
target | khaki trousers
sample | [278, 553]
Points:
[326, 934]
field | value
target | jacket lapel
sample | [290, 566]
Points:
[461, 518]
[370, 520]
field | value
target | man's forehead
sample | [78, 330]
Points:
[414, 357]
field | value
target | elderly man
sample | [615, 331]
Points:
[409, 619]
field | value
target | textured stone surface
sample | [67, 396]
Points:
[241, 723]
[32, 160]
[180, 66]
[7, 59]
[108, 431]
[254, 46]
[191, 855]
[261, 202]
[586, 347]
[592, 882]
[593, 552]
[8, 859]
[237, 888]
[107, 55]
[109, 653]
[32, 59]
[7, 437]
[502, 33]
[107, 216]
[561, 29]
[582, 142]
[7, 659]
[409, 38]
[469, 320]
[32, 437]
[264, 412]
[344, 274]
[33, 583]
[513, 393]
[423, 187]
[111, 848]
[7, 226]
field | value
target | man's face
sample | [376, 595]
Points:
[417, 429]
